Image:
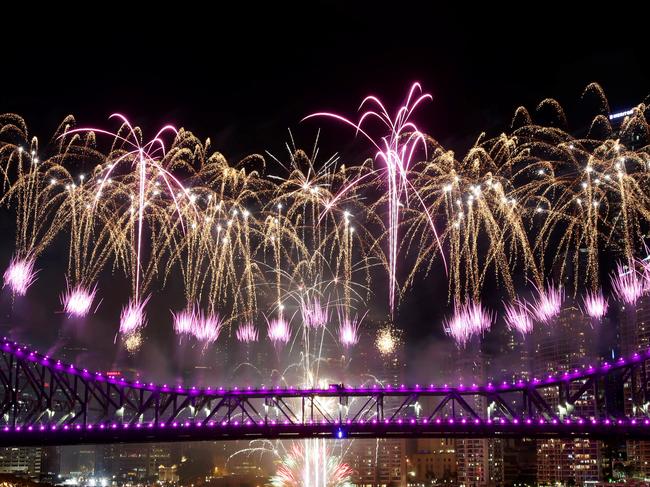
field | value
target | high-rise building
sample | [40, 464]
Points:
[479, 460]
[380, 462]
[634, 321]
[519, 461]
[132, 463]
[510, 461]
[21, 461]
[559, 346]
[78, 461]
[433, 462]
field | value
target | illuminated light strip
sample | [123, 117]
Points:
[625, 113]
[460, 422]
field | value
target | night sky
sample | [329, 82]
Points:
[243, 76]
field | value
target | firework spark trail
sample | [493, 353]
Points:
[185, 321]
[548, 302]
[205, 327]
[311, 463]
[146, 158]
[627, 285]
[397, 155]
[518, 317]
[349, 332]
[92, 244]
[209, 329]
[313, 314]
[27, 181]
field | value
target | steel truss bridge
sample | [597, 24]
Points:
[48, 402]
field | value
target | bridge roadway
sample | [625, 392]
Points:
[46, 402]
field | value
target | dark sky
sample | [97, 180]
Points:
[244, 74]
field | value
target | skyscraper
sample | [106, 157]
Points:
[380, 462]
[634, 336]
[564, 344]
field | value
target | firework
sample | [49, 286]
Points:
[349, 332]
[627, 285]
[145, 163]
[241, 239]
[78, 300]
[311, 463]
[210, 328]
[386, 341]
[311, 235]
[313, 314]
[548, 302]
[186, 321]
[247, 333]
[205, 327]
[133, 342]
[396, 152]
[20, 275]
[518, 317]
[279, 331]
[133, 318]
[469, 319]
[595, 304]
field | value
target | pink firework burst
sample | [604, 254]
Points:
[595, 304]
[205, 327]
[313, 314]
[209, 329]
[133, 317]
[396, 151]
[279, 331]
[628, 286]
[247, 333]
[349, 332]
[548, 302]
[186, 321]
[78, 300]
[20, 275]
[645, 273]
[518, 317]
[469, 319]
